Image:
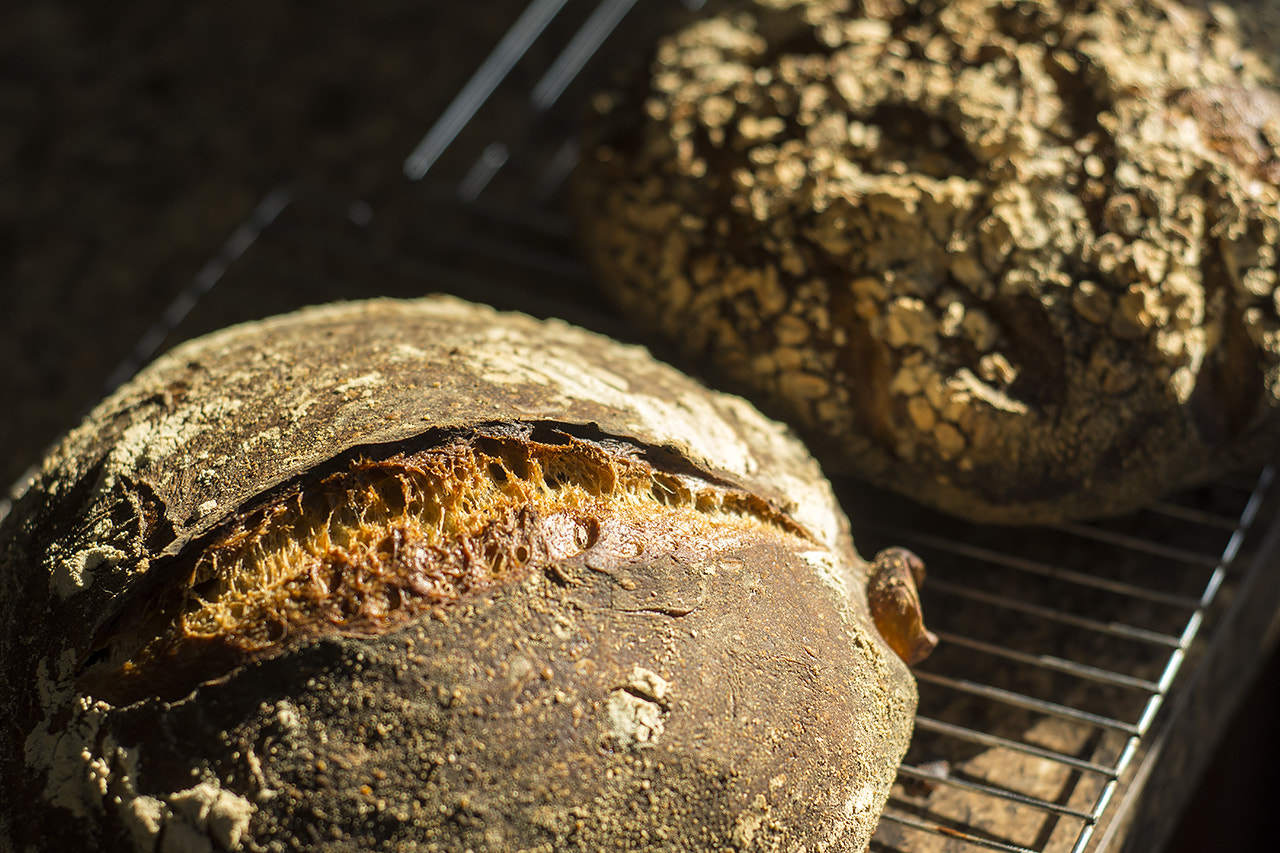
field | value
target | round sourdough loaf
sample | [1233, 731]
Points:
[424, 576]
[1016, 260]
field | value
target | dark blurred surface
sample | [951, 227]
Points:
[135, 137]
[1231, 807]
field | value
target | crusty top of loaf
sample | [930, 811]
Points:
[1015, 260]
[219, 420]
[140, 650]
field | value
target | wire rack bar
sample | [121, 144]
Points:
[1057, 664]
[928, 724]
[1257, 495]
[1034, 567]
[993, 791]
[554, 173]
[491, 159]
[1135, 543]
[585, 42]
[1115, 629]
[935, 828]
[244, 236]
[514, 45]
[535, 224]
[1195, 516]
[1028, 703]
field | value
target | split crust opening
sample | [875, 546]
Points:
[381, 539]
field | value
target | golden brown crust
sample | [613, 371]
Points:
[384, 539]
[1013, 260]
[184, 663]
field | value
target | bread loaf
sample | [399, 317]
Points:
[1016, 260]
[423, 576]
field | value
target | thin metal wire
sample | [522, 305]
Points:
[1257, 495]
[555, 173]
[491, 159]
[935, 828]
[1195, 516]
[993, 791]
[1172, 553]
[928, 724]
[1035, 567]
[1114, 629]
[245, 235]
[1028, 703]
[1057, 664]
[514, 45]
[599, 24]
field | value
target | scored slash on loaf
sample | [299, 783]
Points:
[395, 573]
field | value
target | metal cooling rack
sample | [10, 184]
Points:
[1063, 648]
[1060, 649]
[1068, 653]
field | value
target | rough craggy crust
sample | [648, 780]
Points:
[1015, 259]
[427, 576]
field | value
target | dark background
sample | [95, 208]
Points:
[134, 136]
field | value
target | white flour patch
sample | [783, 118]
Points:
[829, 571]
[364, 384]
[74, 573]
[76, 775]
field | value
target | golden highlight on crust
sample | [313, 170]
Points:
[367, 547]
